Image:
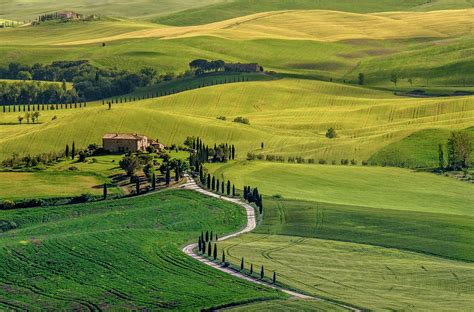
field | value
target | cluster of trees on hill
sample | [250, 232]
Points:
[459, 148]
[19, 93]
[201, 66]
[201, 153]
[89, 82]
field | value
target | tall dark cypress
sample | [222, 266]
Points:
[208, 181]
[262, 273]
[67, 151]
[228, 188]
[251, 269]
[105, 191]
[203, 247]
[168, 175]
[233, 190]
[242, 264]
[199, 244]
[137, 185]
[274, 279]
[73, 150]
[215, 252]
[153, 181]
[209, 249]
[218, 184]
[223, 256]
[207, 236]
[222, 187]
[213, 186]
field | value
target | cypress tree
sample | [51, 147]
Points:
[222, 187]
[223, 256]
[199, 243]
[209, 249]
[153, 181]
[217, 185]
[213, 183]
[242, 264]
[73, 150]
[215, 252]
[260, 205]
[67, 151]
[233, 190]
[168, 175]
[208, 181]
[137, 186]
[105, 191]
[228, 187]
[207, 236]
[262, 273]
[274, 279]
[203, 247]
[251, 269]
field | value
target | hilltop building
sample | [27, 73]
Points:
[68, 15]
[239, 67]
[124, 143]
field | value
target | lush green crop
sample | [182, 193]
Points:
[122, 254]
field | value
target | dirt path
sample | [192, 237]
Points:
[251, 224]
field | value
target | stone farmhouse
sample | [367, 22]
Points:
[239, 67]
[124, 143]
[67, 15]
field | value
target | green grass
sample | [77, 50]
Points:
[366, 276]
[26, 185]
[376, 187]
[142, 9]
[419, 149]
[288, 305]
[118, 255]
[231, 9]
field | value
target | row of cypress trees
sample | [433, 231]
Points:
[253, 196]
[41, 107]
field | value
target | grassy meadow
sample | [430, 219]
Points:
[125, 255]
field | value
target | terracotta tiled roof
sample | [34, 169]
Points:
[122, 136]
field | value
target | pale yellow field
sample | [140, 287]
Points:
[317, 25]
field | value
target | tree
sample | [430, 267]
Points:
[262, 273]
[233, 152]
[361, 79]
[218, 185]
[207, 236]
[459, 150]
[153, 181]
[137, 185]
[73, 150]
[441, 160]
[35, 116]
[228, 188]
[209, 249]
[242, 264]
[394, 78]
[20, 119]
[208, 181]
[168, 175]
[67, 151]
[24, 75]
[410, 81]
[233, 190]
[274, 279]
[251, 268]
[199, 244]
[105, 191]
[215, 252]
[222, 187]
[213, 184]
[223, 256]
[204, 247]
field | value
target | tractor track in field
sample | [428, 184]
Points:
[251, 225]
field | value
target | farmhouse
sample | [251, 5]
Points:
[68, 15]
[239, 67]
[123, 142]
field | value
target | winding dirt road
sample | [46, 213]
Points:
[251, 224]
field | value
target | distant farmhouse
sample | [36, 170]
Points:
[66, 15]
[124, 143]
[239, 67]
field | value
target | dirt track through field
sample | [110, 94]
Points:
[251, 224]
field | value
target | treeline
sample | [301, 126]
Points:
[201, 66]
[22, 93]
[302, 160]
[89, 82]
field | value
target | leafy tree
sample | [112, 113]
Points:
[394, 78]
[459, 150]
[331, 133]
[20, 119]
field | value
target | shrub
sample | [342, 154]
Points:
[344, 162]
[83, 198]
[331, 133]
[222, 118]
[333, 162]
[365, 163]
[242, 120]
[251, 156]
[7, 204]
[353, 162]
[322, 161]
[260, 157]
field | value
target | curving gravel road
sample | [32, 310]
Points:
[251, 224]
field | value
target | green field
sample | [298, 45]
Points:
[123, 254]
[290, 116]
